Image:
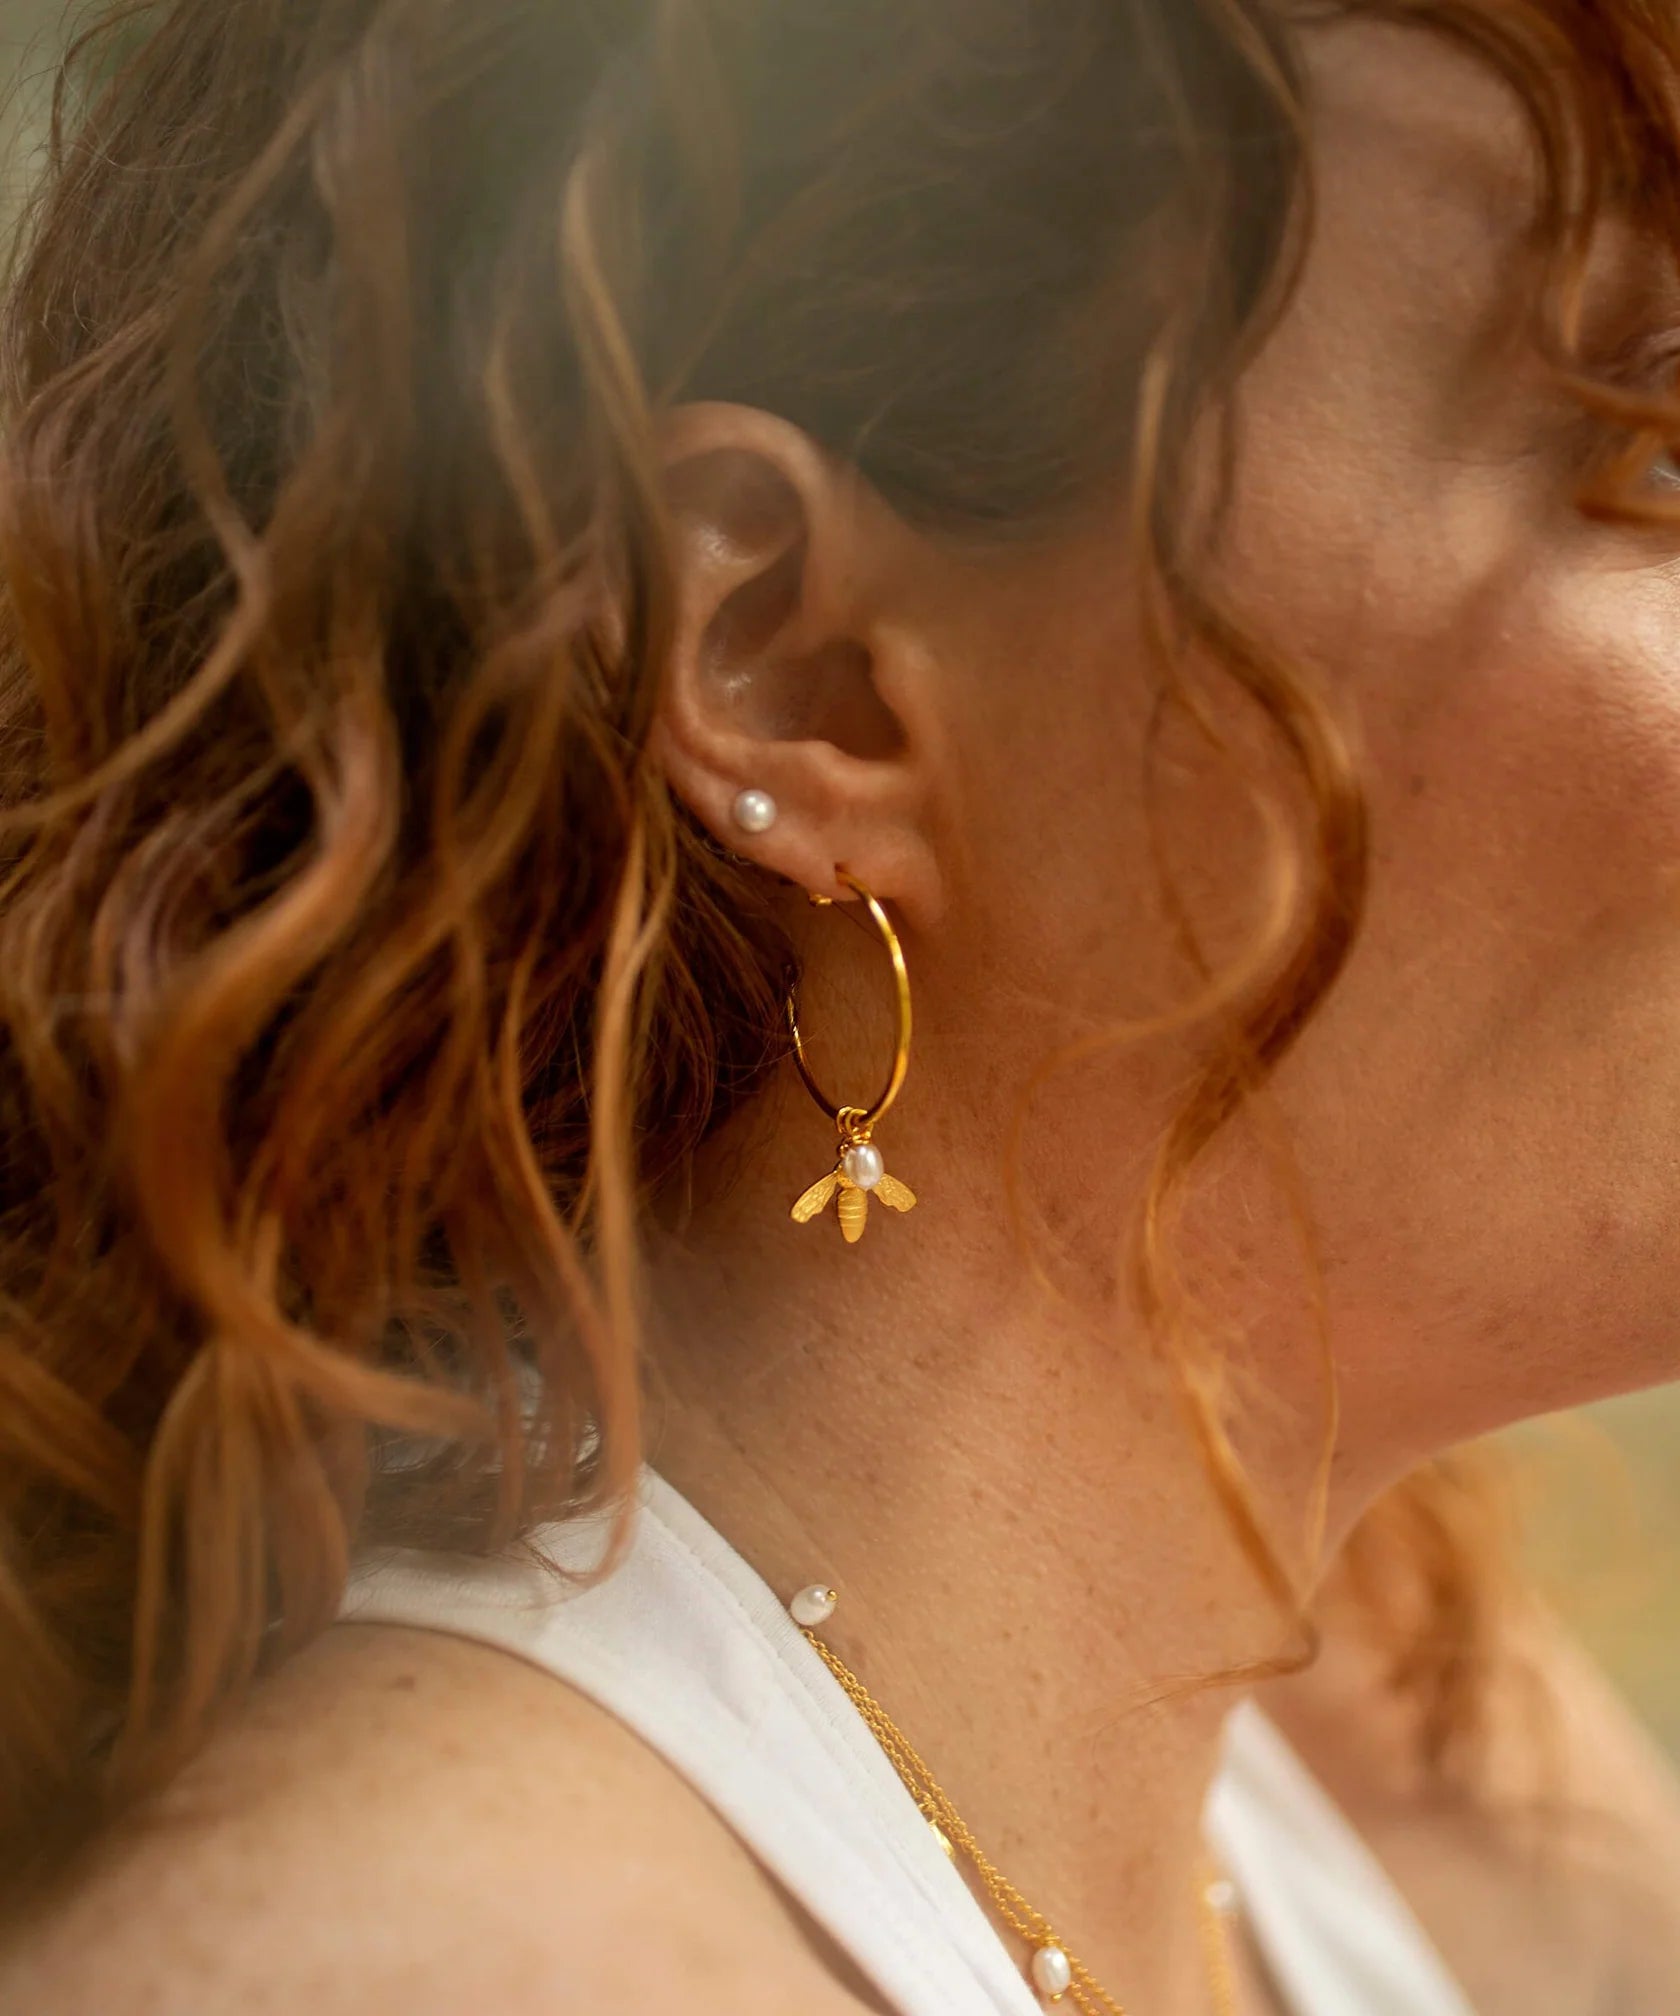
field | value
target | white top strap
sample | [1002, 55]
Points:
[1337, 1936]
[688, 1646]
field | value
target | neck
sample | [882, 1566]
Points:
[1029, 1560]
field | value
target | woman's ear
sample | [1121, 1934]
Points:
[788, 676]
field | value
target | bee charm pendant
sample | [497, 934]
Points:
[858, 1172]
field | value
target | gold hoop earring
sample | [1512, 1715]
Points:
[858, 1171]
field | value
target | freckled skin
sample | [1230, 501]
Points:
[1490, 1108]
[988, 1462]
[1484, 1111]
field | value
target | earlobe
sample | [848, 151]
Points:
[771, 724]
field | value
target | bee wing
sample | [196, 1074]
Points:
[899, 1195]
[812, 1201]
[854, 1213]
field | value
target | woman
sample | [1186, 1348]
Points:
[1159, 514]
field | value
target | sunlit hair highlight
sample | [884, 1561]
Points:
[359, 977]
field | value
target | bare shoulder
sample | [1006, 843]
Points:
[402, 1821]
[1550, 1878]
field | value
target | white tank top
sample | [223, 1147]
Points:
[688, 1647]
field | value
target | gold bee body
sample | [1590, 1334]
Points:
[854, 1200]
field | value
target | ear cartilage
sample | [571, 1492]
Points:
[755, 811]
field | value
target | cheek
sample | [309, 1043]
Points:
[1528, 757]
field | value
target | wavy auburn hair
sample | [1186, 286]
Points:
[359, 977]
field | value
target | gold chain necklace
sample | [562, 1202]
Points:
[1055, 1970]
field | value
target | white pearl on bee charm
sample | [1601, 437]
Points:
[1052, 1976]
[861, 1165]
[755, 811]
[814, 1605]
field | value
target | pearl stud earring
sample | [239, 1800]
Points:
[755, 811]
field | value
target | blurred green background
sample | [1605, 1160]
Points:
[29, 30]
[1600, 1496]
[1600, 1490]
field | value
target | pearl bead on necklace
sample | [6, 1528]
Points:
[1054, 1970]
